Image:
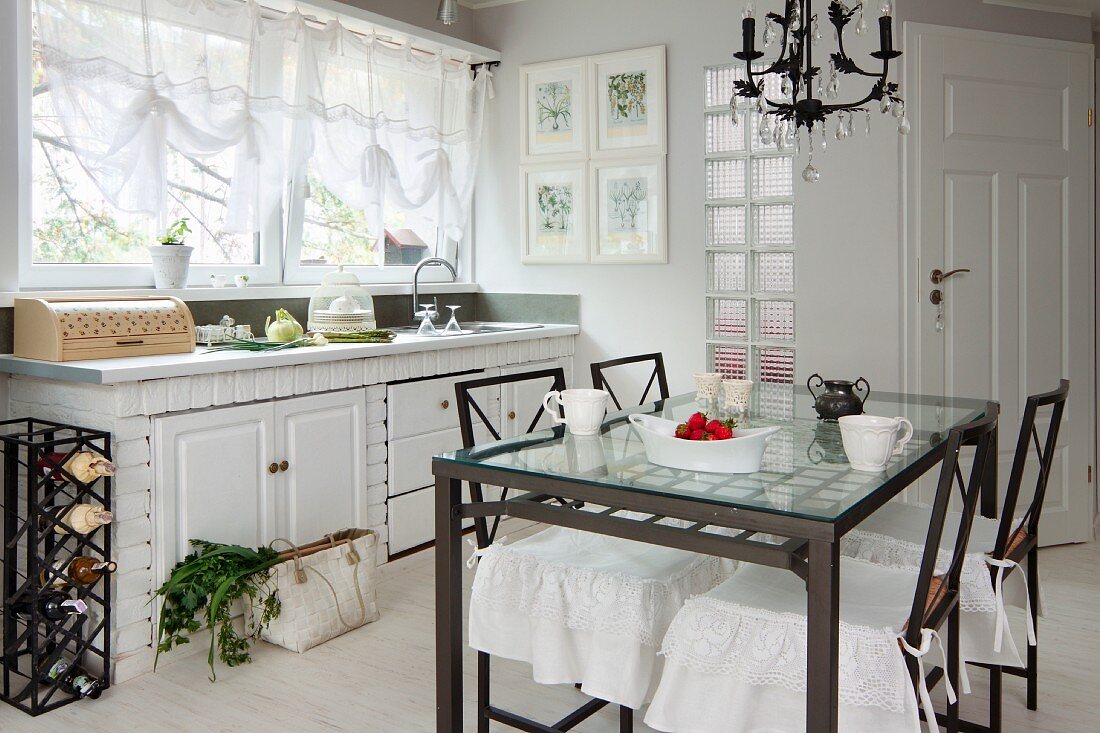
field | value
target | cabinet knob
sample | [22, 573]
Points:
[284, 465]
[273, 468]
[511, 414]
[445, 404]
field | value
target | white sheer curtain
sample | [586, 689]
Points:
[379, 123]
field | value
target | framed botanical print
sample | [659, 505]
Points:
[629, 218]
[628, 102]
[555, 101]
[555, 213]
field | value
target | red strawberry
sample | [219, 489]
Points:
[683, 431]
[723, 433]
[698, 421]
[697, 434]
[713, 426]
[708, 436]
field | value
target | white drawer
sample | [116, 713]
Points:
[411, 517]
[428, 405]
[411, 520]
[410, 459]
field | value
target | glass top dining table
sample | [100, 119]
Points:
[791, 514]
[805, 472]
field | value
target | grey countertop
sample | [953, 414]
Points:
[137, 368]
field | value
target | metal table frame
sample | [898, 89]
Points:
[813, 552]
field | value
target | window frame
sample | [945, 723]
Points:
[279, 243]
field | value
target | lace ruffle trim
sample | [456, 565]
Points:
[760, 647]
[587, 599]
[977, 594]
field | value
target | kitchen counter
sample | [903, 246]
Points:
[139, 368]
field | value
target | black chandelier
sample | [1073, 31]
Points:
[806, 92]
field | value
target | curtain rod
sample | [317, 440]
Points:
[474, 67]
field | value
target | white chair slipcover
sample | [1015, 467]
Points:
[584, 608]
[735, 658]
[894, 536]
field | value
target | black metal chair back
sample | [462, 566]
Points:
[599, 379]
[1044, 449]
[936, 595]
[469, 408]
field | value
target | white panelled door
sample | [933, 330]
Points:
[999, 177]
[211, 481]
[320, 439]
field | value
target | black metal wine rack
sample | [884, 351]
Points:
[37, 557]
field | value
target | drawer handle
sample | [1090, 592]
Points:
[445, 404]
[132, 342]
[273, 468]
[511, 414]
[284, 465]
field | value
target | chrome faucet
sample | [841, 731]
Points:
[416, 285]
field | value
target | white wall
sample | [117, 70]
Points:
[847, 226]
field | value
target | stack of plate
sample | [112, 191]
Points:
[330, 322]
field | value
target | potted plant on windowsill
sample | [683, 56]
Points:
[172, 258]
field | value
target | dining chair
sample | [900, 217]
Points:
[580, 608]
[735, 657]
[998, 547]
[599, 376]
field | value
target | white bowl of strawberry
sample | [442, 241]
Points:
[701, 444]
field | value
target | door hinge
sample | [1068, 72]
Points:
[1090, 116]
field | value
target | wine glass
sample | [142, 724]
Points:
[452, 328]
[427, 328]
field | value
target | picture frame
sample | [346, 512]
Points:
[555, 213]
[554, 119]
[629, 215]
[628, 103]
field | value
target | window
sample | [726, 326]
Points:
[286, 157]
[749, 249]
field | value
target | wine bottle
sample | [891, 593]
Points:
[88, 570]
[85, 518]
[84, 466]
[83, 685]
[72, 679]
[82, 570]
[53, 605]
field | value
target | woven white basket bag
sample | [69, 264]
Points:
[326, 588]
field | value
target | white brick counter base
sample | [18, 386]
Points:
[126, 411]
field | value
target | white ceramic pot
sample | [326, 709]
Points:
[743, 454]
[171, 263]
[241, 281]
[218, 281]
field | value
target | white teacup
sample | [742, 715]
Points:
[870, 442]
[584, 409]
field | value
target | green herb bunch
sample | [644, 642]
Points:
[203, 587]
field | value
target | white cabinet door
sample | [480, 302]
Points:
[212, 481]
[321, 439]
[520, 401]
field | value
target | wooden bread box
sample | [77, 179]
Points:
[72, 329]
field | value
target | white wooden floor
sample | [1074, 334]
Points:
[380, 678]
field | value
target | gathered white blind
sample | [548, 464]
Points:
[378, 123]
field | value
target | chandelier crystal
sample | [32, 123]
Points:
[807, 94]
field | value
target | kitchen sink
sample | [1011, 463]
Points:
[474, 327]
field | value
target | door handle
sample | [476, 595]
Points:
[273, 468]
[937, 276]
[284, 465]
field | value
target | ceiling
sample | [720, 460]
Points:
[1084, 8]
[490, 3]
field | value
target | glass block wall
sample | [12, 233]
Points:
[749, 213]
